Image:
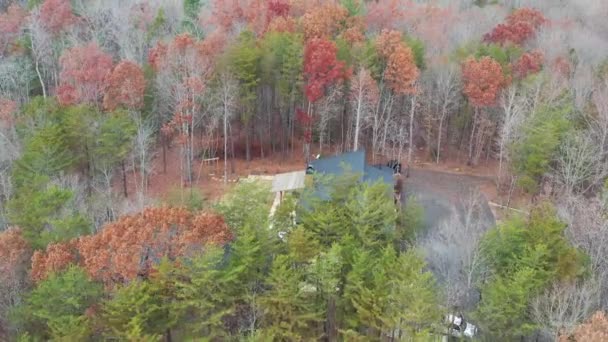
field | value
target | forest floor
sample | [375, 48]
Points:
[448, 179]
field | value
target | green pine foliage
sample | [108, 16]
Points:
[524, 256]
[534, 153]
[56, 309]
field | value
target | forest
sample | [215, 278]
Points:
[110, 110]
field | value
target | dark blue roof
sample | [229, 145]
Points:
[353, 162]
[338, 165]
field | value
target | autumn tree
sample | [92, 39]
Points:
[400, 72]
[321, 69]
[595, 329]
[529, 63]
[324, 21]
[131, 246]
[482, 81]
[57, 15]
[182, 67]
[83, 72]
[125, 86]
[11, 22]
[520, 26]
[15, 253]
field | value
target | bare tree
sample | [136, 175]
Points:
[588, 230]
[364, 99]
[579, 164]
[453, 253]
[141, 156]
[327, 109]
[599, 123]
[413, 106]
[513, 105]
[227, 101]
[445, 96]
[563, 306]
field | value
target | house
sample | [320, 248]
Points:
[334, 166]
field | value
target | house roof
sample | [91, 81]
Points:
[353, 162]
[338, 165]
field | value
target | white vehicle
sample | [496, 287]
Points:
[459, 327]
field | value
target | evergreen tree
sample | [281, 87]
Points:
[135, 313]
[56, 308]
[372, 214]
[289, 313]
[202, 294]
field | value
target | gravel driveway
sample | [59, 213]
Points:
[438, 193]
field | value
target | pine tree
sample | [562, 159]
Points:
[135, 313]
[289, 313]
[372, 214]
[202, 290]
[55, 309]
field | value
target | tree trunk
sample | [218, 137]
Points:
[225, 143]
[124, 179]
[232, 170]
[247, 142]
[471, 139]
[164, 143]
[443, 113]
[411, 131]
[358, 118]
[332, 331]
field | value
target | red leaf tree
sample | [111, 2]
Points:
[56, 15]
[83, 73]
[8, 108]
[125, 87]
[10, 25]
[321, 67]
[520, 26]
[131, 246]
[529, 63]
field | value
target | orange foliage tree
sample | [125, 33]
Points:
[15, 252]
[14, 260]
[125, 86]
[131, 246]
[324, 21]
[483, 80]
[401, 72]
[594, 330]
